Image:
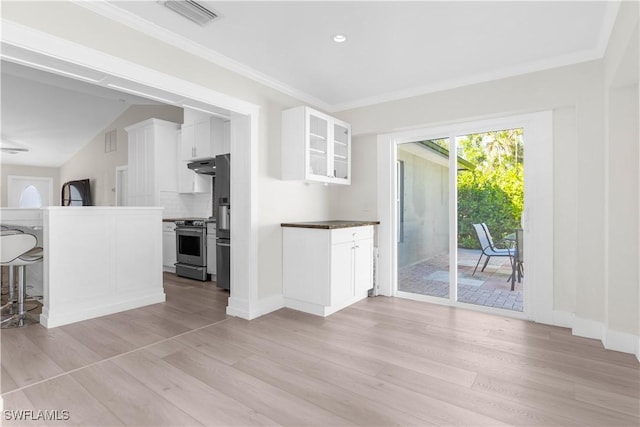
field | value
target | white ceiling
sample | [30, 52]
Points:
[394, 49]
[54, 116]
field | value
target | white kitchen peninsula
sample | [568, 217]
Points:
[97, 260]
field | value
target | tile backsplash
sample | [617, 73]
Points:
[178, 205]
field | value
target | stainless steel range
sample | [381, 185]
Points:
[191, 248]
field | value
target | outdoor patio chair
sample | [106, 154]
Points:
[488, 250]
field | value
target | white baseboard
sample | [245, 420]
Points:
[239, 308]
[245, 310]
[267, 305]
[587, 328]
[67, 315]
[563, 318]
[621, 341]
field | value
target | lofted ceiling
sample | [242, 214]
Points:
[53, 116]
[394, 49]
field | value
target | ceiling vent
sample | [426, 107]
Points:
[191, 10]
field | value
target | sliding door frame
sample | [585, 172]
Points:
[537, 213]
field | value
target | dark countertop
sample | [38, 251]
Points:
[329, 225]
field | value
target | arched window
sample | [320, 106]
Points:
[30, 198]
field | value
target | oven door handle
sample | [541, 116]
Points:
[192, 267]
[226, 245]
[190, 231]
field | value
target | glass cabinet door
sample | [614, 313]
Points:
[340, 151]
[318, 146]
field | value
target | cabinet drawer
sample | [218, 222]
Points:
[351, 234]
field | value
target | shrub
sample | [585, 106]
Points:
[495, 198]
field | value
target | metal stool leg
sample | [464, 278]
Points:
[19, 317]
[22, 287]
[11, 315]
[12, 287]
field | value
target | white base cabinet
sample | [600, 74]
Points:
[326, 270]
[169, 257]
[211, 249]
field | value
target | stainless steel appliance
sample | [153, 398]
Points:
[222, 209]
[204, 166]
[191, 248]
[207, 167]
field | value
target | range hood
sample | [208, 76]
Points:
[204, 166]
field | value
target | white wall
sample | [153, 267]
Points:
[622, 224]
[574, 94]
[622, 211]
[358, 200]
[92, 162]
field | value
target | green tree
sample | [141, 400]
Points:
[492, 192]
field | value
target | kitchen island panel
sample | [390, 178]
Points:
[100, 261]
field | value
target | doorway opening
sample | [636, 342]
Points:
[63, 57]
[29, 191]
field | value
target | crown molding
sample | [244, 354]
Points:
[133, 21]
[503, 73]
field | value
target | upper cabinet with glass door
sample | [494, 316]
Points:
[315, 147]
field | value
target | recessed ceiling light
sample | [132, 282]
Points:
[339, 38]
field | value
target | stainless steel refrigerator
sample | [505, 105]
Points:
[222, 209]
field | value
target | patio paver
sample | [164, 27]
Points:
[489, 288]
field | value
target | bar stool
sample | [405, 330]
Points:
[11, 298]
[18, 250]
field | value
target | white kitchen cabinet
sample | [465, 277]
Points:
[315, 147]
[203, 138]
[211, 249]
[169, 257]
[152, 153]
[325, 270]
[190, 182]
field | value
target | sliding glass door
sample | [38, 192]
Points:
[462, 212]
[423, 212]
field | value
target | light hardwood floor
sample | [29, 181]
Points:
[383, 361]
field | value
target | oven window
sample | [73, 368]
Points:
[189, 245]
